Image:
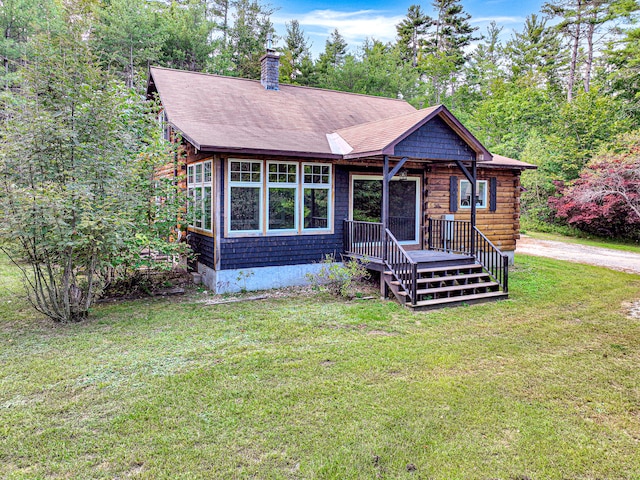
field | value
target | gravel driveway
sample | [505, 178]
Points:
[572, 252]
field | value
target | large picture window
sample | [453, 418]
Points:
[465, 194]
[270, 197]
[199, 191]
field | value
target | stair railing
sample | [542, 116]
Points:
[492, 259]
[459, 236]
[403, 269]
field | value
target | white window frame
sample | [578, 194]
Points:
[317, 186]
[246, 184]
[192, 188]
[418, 182]
[483, 198]
[292, 185]
[265, 185]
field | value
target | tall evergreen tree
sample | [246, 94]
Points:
[247, 36]
[411, 33]
[335, 49]
[295, 55]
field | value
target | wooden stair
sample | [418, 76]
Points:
[448, 285]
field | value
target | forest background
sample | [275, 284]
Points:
[563, 93]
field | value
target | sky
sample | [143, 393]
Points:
[357, 20]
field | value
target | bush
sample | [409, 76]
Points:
[340, 278]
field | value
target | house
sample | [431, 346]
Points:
[279, 176]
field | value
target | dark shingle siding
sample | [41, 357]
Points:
[435, 140]
[266, 251]
[202, 245]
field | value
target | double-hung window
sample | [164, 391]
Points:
[199, 195]
[271, 197]
[465, 194]
[245, 196]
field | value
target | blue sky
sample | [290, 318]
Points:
[357, 20]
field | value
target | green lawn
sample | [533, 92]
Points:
[545, 385]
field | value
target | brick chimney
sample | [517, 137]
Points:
[269, 67]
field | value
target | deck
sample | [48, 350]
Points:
[424, 259]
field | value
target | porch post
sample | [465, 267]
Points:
[385, 206]
[474, 187]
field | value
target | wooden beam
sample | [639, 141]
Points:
[397, 168]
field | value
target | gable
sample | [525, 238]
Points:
[435, 140]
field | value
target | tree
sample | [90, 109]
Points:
[446, 47]
[76, 162]
[535, 52]
[411, 33]
[248, 36]
[187, 30]
[334, 53]
[295, 54]
[129, 35]
[605, 200]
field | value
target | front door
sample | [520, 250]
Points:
[404, 205]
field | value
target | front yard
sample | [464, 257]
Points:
[545, 385]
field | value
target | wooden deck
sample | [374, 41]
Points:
[424, 259]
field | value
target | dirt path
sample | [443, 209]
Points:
[572, 252]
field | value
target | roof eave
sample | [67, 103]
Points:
[274, 152]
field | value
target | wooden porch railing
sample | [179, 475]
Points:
[401, 266]
[365, 240]
[459, 236]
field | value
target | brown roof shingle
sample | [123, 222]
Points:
[226, 113]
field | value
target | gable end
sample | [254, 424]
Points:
[435, 140]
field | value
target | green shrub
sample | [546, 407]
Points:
[340, 278]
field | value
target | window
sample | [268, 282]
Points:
[199, 191]
[316, 185]
[282, 191]
[481, 194]
[164, 125]
[245, 196]
[287, 198]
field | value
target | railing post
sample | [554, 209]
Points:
[414, 284]
[430, 234]
[505, 262]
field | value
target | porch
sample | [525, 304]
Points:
[459, 266]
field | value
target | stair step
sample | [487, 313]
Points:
[478, 297]
[470, 266]
[455, 288]
[448, 278]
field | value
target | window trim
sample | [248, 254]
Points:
[296, 198]
[239, 183]
[192, 187]
[300, 187]
[317, 186]
[484, 196]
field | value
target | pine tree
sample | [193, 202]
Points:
[411, 33]
[334, 53]
[294, 53]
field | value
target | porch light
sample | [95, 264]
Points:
[403, 174]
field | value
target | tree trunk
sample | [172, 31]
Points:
[574, 53]
[589, 62]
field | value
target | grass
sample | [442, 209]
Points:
[545, 385]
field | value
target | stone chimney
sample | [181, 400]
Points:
[269, 67]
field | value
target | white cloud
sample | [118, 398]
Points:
[354, 26]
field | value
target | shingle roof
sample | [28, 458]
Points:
[226, 113]
[505, 162]
[217, 113]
